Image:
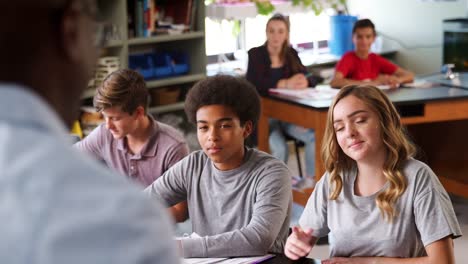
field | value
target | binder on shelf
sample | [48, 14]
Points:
[139, 20]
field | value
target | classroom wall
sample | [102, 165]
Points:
[416, 23]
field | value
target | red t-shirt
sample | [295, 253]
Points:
[353, 67]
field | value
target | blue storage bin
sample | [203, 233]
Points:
[162, 65]
[142, 63]
[179, 62]
[341, 34]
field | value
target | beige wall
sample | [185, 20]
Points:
[414, 22]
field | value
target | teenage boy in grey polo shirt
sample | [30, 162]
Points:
[131, 141]
[239, 199]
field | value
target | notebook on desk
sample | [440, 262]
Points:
[307, 93]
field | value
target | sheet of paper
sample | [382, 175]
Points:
[383, 87]
[202, 260]
[247, 260]
[238, 260]
[418, 84]
[308, 93]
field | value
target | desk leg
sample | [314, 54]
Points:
[263, 132]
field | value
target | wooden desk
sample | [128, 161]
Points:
[436, 117]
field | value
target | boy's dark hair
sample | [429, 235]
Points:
[364, 23]
[234, 92]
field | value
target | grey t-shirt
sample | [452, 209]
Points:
[358, 228]
[240, 212]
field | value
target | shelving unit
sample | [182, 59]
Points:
[192, 42]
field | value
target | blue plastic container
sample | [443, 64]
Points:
[142, 63]
[341, 34]
[162, 65]
[179, 62]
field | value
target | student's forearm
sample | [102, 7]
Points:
[404, 76]
[245, 242]
[179, 212]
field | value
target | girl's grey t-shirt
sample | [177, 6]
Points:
[425, 215]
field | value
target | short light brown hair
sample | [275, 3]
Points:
[125, 88]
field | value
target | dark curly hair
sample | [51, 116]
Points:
[234, 92]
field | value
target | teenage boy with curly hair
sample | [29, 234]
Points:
[239, 199]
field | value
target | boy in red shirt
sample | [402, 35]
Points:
[363, 67]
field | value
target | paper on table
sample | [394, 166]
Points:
[239, 260]
[307, 93]
[418, 84]
[384, 86]
[202, 260]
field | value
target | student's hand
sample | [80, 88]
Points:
[299, 243]
[385, 79]
[297, 81]
[393, 81]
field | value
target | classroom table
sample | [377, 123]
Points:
[459, 80]
[436, 118]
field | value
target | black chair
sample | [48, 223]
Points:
[297, 144]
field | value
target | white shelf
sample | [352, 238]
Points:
[175, 80]
[89, 93]
[166, 108]
[245, 10]
[166, 38]
[114, 43]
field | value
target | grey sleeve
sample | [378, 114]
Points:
[130, 231]
[93, 143]
[171, 187]
[270, 211]
[433, 210]
[315, 212]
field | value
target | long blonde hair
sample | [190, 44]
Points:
[396, 142]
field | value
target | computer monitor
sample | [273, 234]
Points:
[455, 49]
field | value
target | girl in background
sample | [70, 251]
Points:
[276, 64]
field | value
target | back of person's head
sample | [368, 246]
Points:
[396, 143]
[364, 23]
[46, 46]
[28, 28]
[234, 92]
[123, 88]
[23, 30]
